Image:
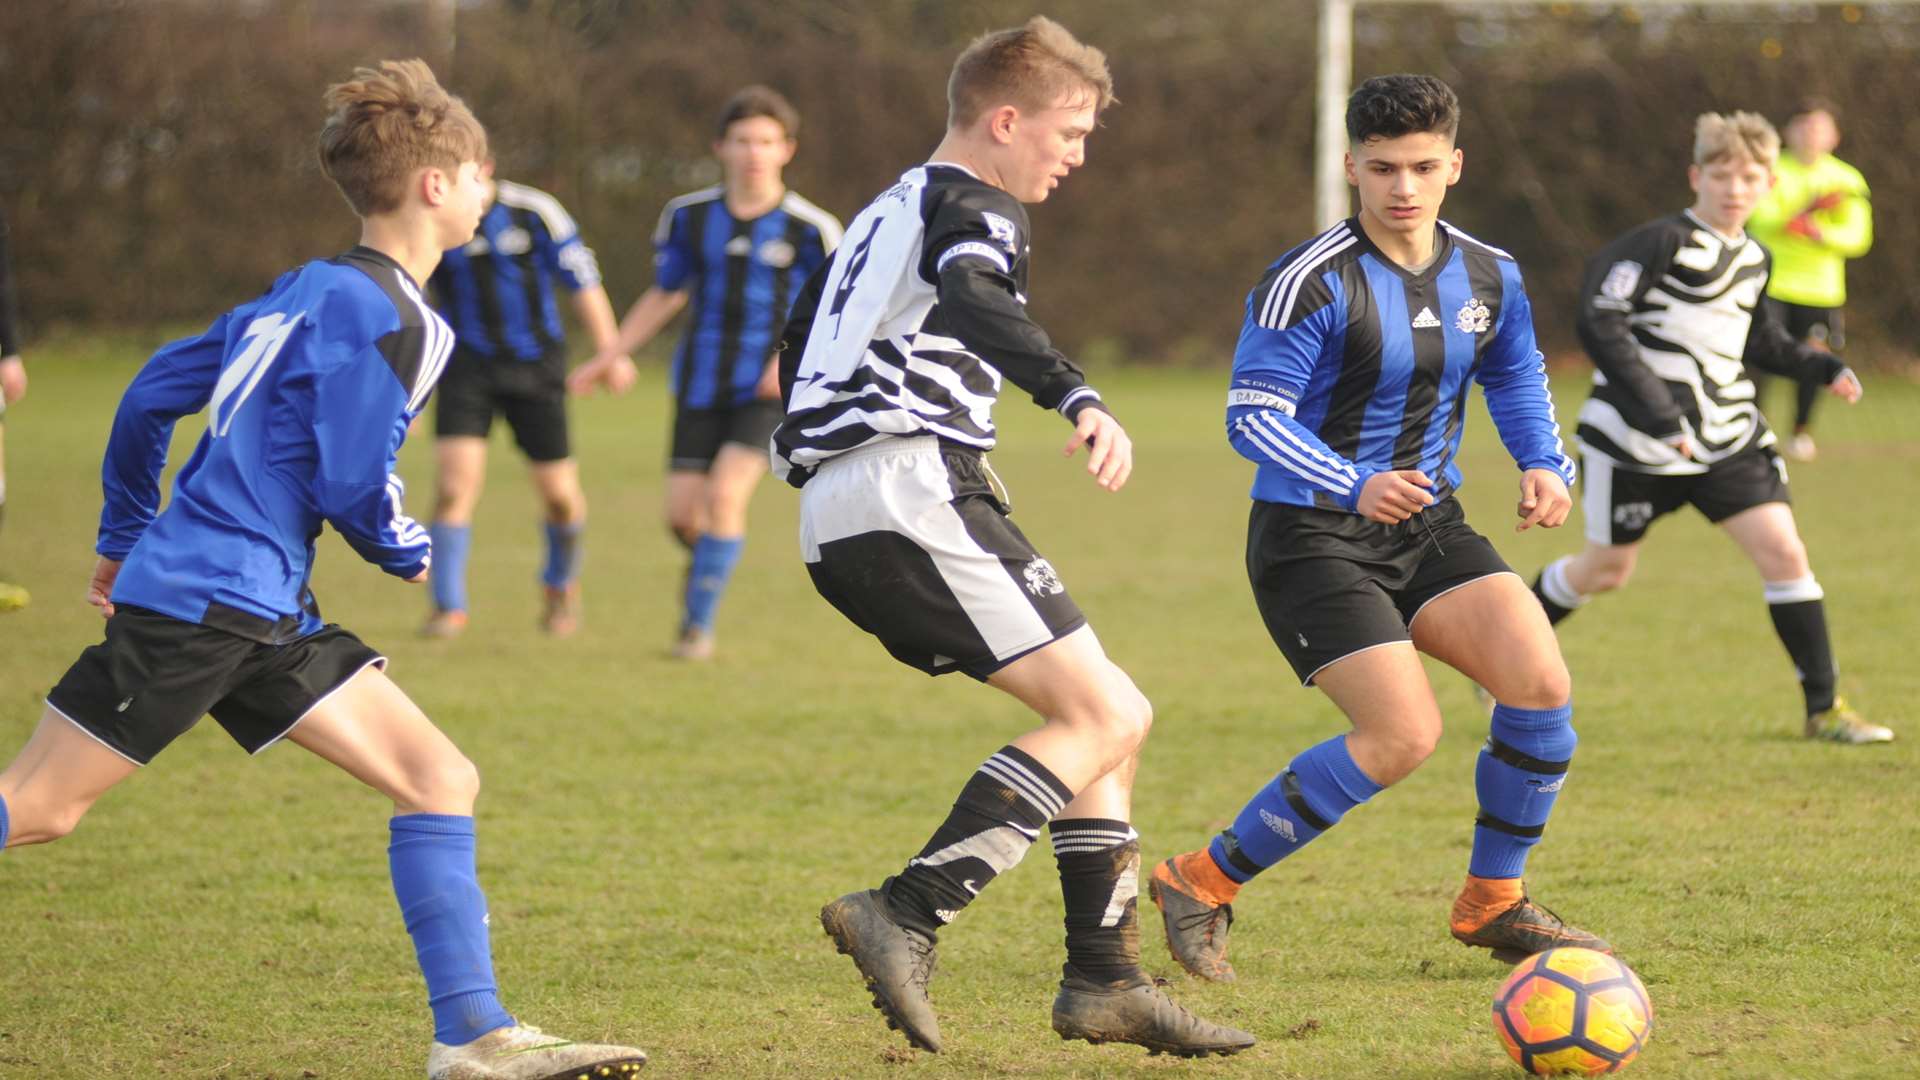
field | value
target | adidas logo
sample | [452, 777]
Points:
[1280, 825]
[1425, 319]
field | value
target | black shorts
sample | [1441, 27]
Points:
[906, 538]
[1620, 504]
[698, 434]
[155, 676]
[531, 394]
[1817, 324]
[1330, 584]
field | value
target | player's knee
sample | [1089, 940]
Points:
[1608, 576]
[34, 824]
[1132, 716]
[1784, 558]
[1546, 685]
[684, 529]
[447, 785]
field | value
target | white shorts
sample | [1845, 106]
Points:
[908, 540]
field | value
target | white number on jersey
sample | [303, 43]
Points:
[265, 336]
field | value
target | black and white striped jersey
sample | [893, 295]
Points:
[912, 326]
[1673, 314]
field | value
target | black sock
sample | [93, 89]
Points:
[997, 817]
[1802, 626]
[1100, 882]
[1554, 611]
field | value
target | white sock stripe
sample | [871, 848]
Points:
[1118, 836]
[1016, 776]
[1046, 788]
[1553, 582]
[1797, 591]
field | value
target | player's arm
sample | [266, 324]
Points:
[1513, 375]
[1772, 347]
[176, 381]
[1845, 221]
[675, 260]
[1282, 341]
[1617, 280]
[359, 411]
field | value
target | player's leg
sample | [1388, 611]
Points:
[1796, 603]
[463, 415]
[54, 781]
[538, 417]
[369, 728]
[737, 469]
[1384, 693]
[12, 597]
[1619, 506]
[1492, 629]
[1104, 994]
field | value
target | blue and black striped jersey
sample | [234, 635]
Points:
[497, 290]
[308, 391]
[1349, 364]
[743, 276]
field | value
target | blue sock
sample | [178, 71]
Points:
[563, 554]
[1320, 786]
[433, 877]
[449, 577]
[3, 823]
[1519, 776]
[713, 561]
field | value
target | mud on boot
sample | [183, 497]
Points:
[896, 962]
[1138, 1012]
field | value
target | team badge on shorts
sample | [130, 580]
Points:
[1474, 317]
[1041, 579]
[1633, 516]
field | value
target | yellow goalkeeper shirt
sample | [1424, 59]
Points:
[1816, 218]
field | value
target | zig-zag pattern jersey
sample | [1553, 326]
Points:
[1349, 364]
[309, 390]
[1672, 315]
[912, 325]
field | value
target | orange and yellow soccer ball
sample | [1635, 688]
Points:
[1572, 1012]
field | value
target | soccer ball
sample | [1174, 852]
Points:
[1572, 1012]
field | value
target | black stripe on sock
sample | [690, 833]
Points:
[1487, 820]
[1500, 751]
[1290, 787]
[1238, 858]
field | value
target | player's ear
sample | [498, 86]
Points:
[1693, 178]
[1353, 176]
[1453, 166]
[1001, 122]
[434, 185]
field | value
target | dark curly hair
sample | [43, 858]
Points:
[1389, 106]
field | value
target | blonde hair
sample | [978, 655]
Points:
[385, 123]
[1030, 67]
[1718, 137]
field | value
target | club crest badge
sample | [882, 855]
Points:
[1041, 579]
[1474, 317]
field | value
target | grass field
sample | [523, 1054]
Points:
[656, 838]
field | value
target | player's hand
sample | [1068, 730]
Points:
[1543, 500]
[100, 589]
[420, 577]
[768, 388]
[1682, 444]
[1392, 497]
[13, 379]
[1802, 225]
[1846, 386]
[1109, 450]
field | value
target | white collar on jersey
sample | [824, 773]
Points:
[1729, 241]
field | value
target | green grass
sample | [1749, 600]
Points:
[656, 838]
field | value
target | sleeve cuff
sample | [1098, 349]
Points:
[1080, 400]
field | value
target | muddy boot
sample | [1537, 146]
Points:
[1138, 1012]
[897, 963]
